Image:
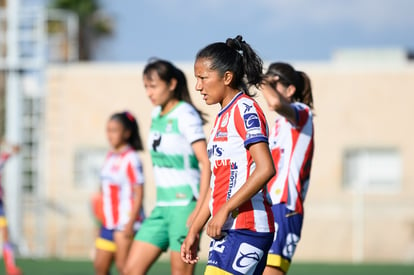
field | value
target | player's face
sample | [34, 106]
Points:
[115, 133]
[158, 91]
[209, 83]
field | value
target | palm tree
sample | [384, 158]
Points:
[93, 24]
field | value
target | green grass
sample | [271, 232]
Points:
[72, 267]
[350, 269]
[67, 267]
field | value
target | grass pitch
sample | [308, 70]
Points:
[69, 267]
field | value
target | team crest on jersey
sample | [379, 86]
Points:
[221, 134]
[116, 164]
[224, 120]
[169, 126]
[277, 126]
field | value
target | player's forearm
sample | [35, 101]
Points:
[204, 186]
[278, 103]
[137, 203]
[202, 215]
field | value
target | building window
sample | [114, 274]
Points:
[32, 135]
[88, 165]
[373, 169]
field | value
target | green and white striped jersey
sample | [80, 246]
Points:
[175, 166]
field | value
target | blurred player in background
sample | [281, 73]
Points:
[181, 169]
[8, 255]
[289, 93]
[241, 225]
[122, 193]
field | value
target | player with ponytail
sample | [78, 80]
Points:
[177, 146]
[241, 224]
[120, 209]
[288, 92]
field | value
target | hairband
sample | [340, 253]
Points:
[129, 116]
[239, 46]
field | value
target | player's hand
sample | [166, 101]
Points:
[189, 248]
[129, 230]
[269, 81]
[215, 225]
[16, 149]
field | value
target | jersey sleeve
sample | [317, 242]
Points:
[135, 172]
[302, 112]
[191, 125]
[250, 123]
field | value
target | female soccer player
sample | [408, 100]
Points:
[122, 193]
[242, 224]
[8, 255]
[178, 148]
[289, 93]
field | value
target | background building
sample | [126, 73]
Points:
[360, 206]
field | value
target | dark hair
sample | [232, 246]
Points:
[129, 123]
[289, 76]
[238, 57]
[167, 71]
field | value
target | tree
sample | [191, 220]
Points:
[93, 23]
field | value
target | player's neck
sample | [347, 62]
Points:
[231, 93]
[165, 109]
[120, 149]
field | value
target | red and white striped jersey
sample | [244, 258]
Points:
[120, 173]
[4, 156]
[237, 126]
[292, 151]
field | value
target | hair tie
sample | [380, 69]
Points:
[129, 116]
[238, 45]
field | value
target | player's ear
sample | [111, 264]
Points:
[290, 91]
[228, 78]
[173, 84]
[127, 134]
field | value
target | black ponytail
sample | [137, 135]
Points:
[237, 57]
[129, 123]
[289, 76]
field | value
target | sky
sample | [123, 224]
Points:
[276, 29]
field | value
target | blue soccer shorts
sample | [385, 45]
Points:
[3, 220]
[288, 226]
[239, 252]
[105, 241]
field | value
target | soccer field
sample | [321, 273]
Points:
[60, 267]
